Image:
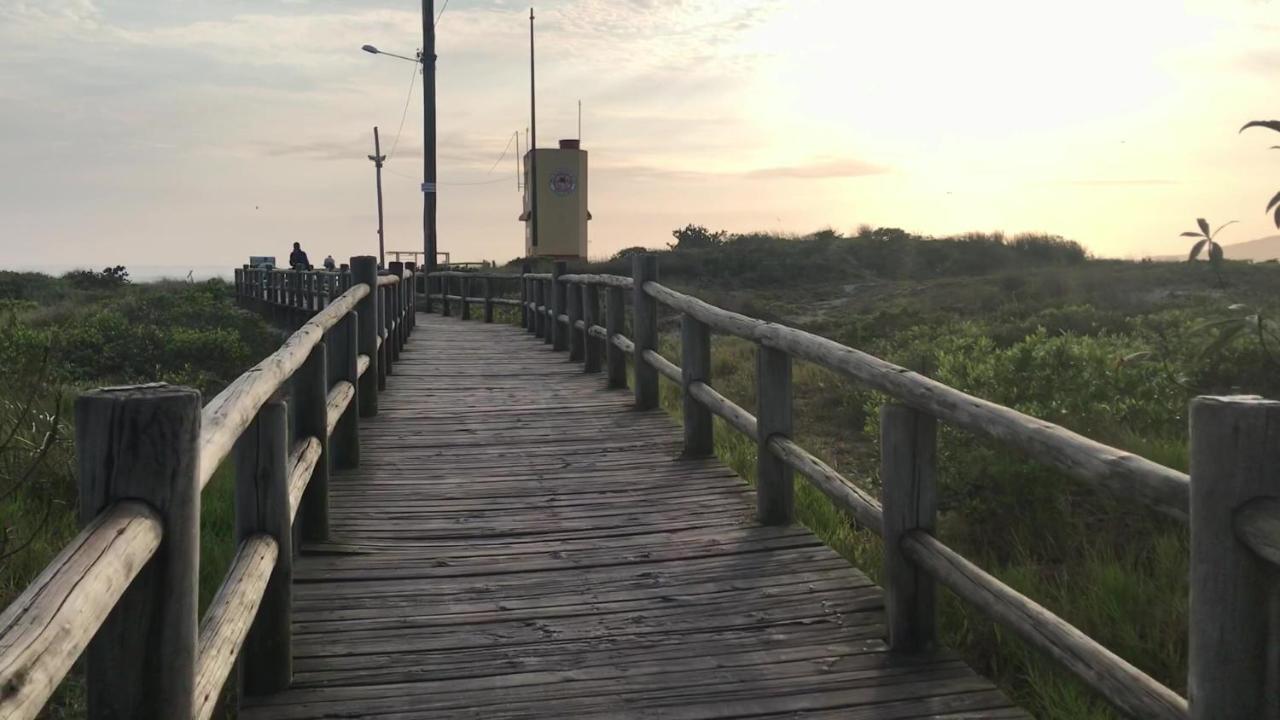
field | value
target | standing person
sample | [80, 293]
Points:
[299, 258]
[329, 264]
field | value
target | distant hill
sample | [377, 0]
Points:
[1267, 248]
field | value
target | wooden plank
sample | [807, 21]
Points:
[44, 630]
[600, 575]
[227, 621]
[1122, 684]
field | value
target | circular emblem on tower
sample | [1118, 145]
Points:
[563, 183]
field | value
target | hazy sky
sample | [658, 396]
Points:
[202, 131]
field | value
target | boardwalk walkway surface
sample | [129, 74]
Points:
[518, 542]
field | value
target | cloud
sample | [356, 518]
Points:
[817, 170]
[1119, 182]
[820, 170]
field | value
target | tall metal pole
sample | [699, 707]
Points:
[533, 140]
[377, 157]
[428, 59]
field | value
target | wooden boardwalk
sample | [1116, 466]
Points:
[518, 542]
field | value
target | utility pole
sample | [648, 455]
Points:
[377, 157]
[533, 142]
[428, 59]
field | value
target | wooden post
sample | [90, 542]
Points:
[427, 302]
[1235, 458]
[446, 309]
[573, 308]
[488, 298]
[545, 313]
[345, 442]
[695, 366]
[142, 442]
[311, 393]
[413, 295]
[908, 480]
[615, 319]
[524, 296]
[644, 268]
[590, 316]
[364, 271]
[464, 289]
[774, 482]
[539, 318]
[559, 334]
[398, 304]
[262, 506]
[384, 325]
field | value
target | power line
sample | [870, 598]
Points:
[446, 184]
[441, 13]
[504, 152]
[403, 114]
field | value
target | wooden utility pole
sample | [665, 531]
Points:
[533, 144]
[428, 59]
[377, 157]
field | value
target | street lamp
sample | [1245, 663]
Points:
[427, 58]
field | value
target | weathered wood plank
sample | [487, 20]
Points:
[600, 575]
[45, 629]
[227, 621]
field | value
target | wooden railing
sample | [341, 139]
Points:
[1230, 496]
[124, 591]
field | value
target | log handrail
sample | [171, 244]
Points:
[1245, 519]
[130, 519]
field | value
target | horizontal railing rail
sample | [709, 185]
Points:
[123, 592]
[1229, 496]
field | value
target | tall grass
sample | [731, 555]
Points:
[57, 339]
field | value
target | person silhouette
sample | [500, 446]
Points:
[298, 258]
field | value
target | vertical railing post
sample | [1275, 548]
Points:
[615, 320]
[487, 283]
[262, 506]
[544, 313]
[142, 443]
[1235, 458]
[446, 308]
[590, 317]
[559, 335]
[535, 316]
[695, 366]
[464, 290]
[311, 393]
[412, 295]
[345, 442]
[398, 302]
[644, 268]
[908, 481]
[428, 305]
[524, 297]
[384, 325]
[775, 501]
[573, 308]
[364, 271]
